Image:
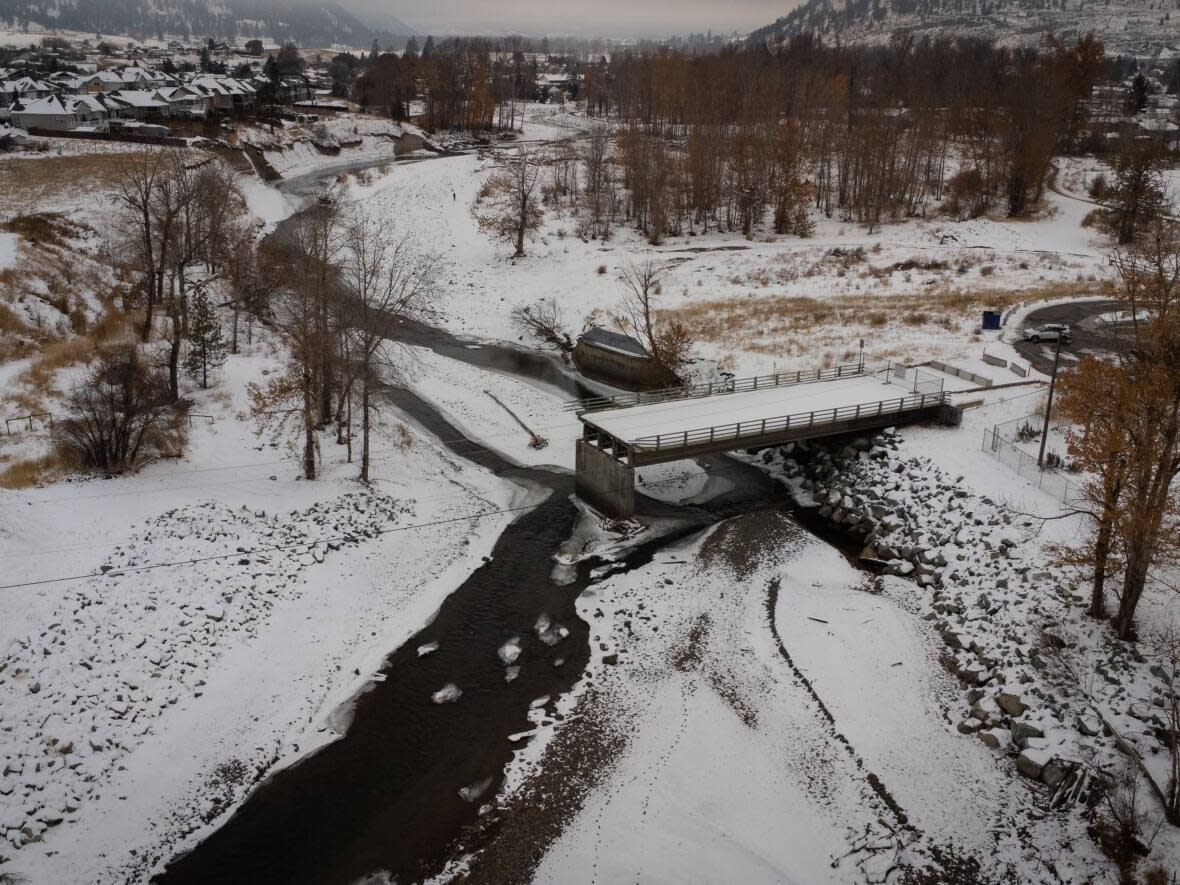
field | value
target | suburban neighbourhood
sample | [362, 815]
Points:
[677, 444]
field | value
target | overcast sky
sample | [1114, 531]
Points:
[584, 17]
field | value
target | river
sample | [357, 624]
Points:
[386, 796]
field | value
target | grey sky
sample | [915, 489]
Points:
[584, 17]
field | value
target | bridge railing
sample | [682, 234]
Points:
[715, 388]
[761, 426]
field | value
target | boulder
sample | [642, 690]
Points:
[1031, 763]
[1011, 704]
[995, 738]
[1022, 732]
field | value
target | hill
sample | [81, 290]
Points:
[323, 25]
[1132, 27]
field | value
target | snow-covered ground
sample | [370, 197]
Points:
[756, 709]
[128, 718]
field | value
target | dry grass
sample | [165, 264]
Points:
[31, 472]
[31, 183]
[34, 385]
[827, 329]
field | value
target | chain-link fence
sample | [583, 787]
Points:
[1002, 443]
[913, 379]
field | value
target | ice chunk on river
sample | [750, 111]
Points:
[510, 650]
[448, 694]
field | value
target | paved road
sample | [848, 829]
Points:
[1088, 335]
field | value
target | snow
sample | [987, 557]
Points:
[165, 647]
[743, 684]
[8, 246]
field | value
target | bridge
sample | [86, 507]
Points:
[621, 433]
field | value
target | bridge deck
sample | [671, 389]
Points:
[634, 425]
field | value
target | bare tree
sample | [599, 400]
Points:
[595, 153]
[150, 201]
[641, 289]
[386, 276]
[512, 209]
[668, 341]
[542, 319]
[117, 414]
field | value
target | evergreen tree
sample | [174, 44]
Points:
[1138, 93]
[412, 47]
[289, 61]
[206, 343]
[428, 48]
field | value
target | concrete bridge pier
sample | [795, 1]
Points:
[604, 482]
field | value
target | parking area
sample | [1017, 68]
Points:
[1089, 335]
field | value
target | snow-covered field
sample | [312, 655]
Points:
[756, 708]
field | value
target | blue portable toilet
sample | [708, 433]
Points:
[991, 319]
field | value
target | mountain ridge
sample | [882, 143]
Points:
[326, 25]
[1125, 26]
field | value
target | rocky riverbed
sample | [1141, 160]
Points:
[1041, 682]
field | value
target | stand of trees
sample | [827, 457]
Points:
[462, 84]
[1128, 443]
[346, 277]
[868, 133]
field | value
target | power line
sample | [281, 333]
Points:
[118, 572]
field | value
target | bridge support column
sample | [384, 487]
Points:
[604, 482]
[950, 416]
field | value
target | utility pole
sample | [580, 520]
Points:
[1049, 405]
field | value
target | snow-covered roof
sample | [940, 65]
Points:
[64, 105]
[609, 340]
[140, 98]
[25, 85]
[220, 86]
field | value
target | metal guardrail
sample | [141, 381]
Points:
[714, 388]
[760, 426]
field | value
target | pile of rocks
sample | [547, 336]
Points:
[978, 572]
[122, 649]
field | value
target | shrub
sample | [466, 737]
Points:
[118, 415]
[966, 194]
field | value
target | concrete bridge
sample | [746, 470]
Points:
[628, 431]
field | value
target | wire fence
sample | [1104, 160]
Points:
[1001, 443]
[913, 379]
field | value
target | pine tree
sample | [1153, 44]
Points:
[206, 343]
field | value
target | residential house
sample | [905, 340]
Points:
[224, 93]
[23, 87]
[185, 102]
[104, 81]
[141, 104]
[63, 112]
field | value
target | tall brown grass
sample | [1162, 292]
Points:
[802, 325]
[31, 471]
